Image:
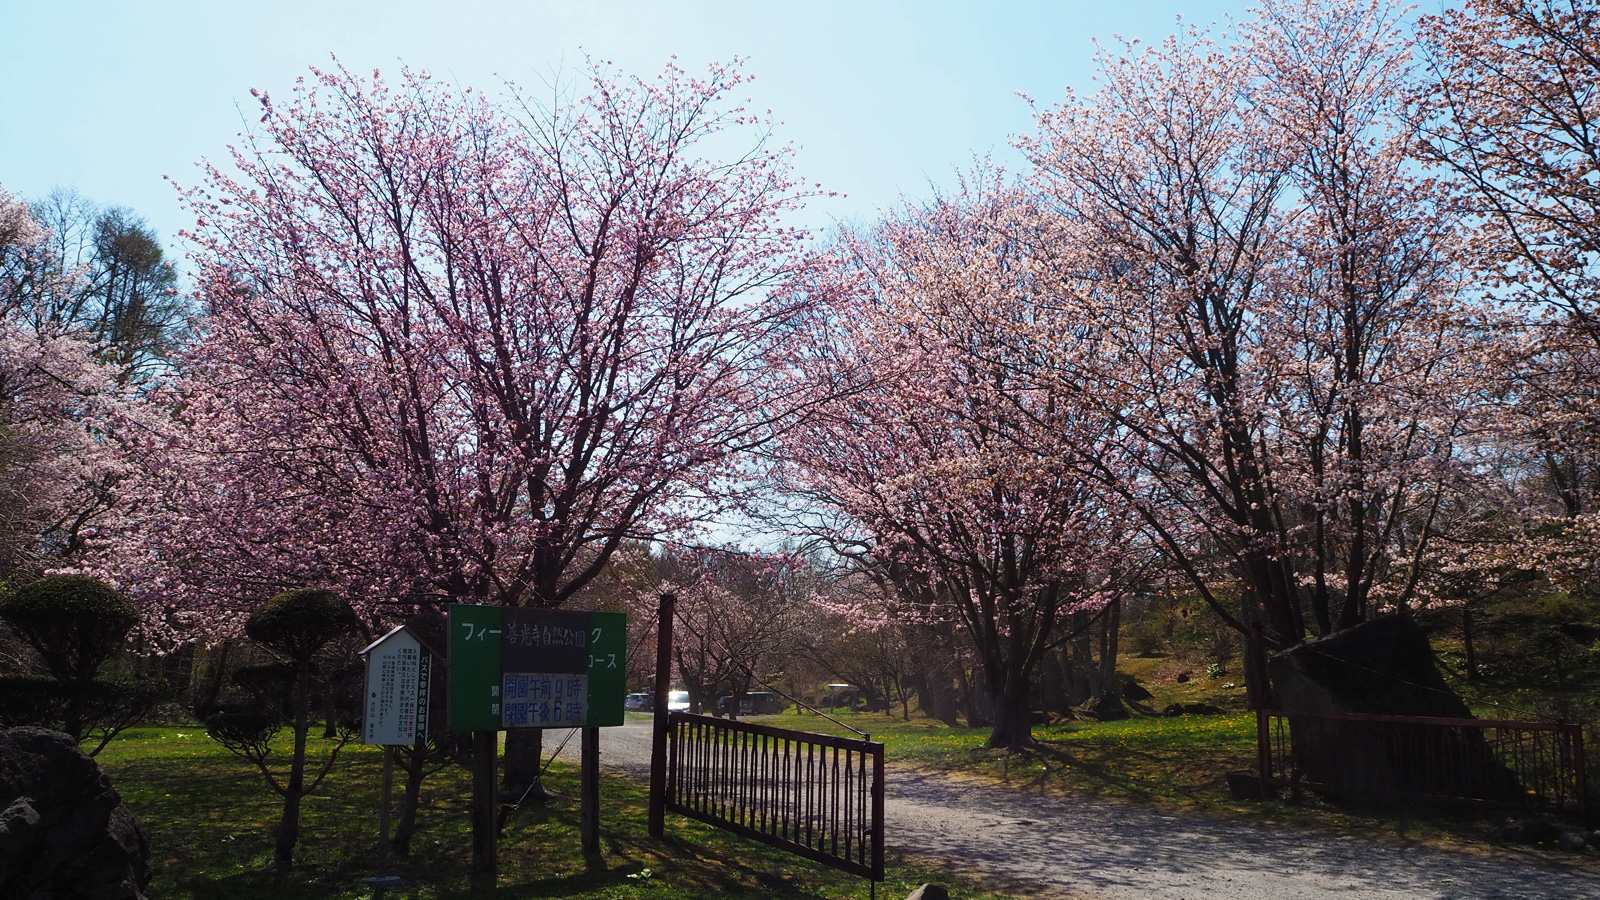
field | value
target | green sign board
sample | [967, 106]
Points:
[535, 668]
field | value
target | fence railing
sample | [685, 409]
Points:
[815, 795]
[1473, 761]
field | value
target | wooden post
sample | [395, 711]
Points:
[485, 834]
[383, 813]
[383, 879]
[590, 806]
[658, 740]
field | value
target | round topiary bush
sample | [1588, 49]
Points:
[74, 622]
[298, 623]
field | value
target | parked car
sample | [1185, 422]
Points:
[678, 701]
[761, 703]
[639, 702]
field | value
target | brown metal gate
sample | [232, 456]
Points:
[815, 795]
[1472, 761]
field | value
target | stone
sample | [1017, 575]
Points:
[1534, 832]
[1573, 841]
[1191, 709]
[929, 892]
[1383, 667]
[1183, 677]
[1107, 708]
[64, 832]
[1133, 690]
[1244, 785]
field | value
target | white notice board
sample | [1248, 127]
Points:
[397, 689]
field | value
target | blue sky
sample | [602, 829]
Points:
[880, 98]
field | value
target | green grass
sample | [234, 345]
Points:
[209, 818]
[1177, 763]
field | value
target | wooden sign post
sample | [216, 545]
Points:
[398, 671]
[520, 667]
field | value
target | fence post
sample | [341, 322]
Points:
[1264, 750]
[658, 739]
[1580, 771]
[877, 817]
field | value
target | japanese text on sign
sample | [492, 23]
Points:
[534, 700]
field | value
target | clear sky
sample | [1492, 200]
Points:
[880, 97]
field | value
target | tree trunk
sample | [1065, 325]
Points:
[524, 751]
[1111, 623]
[330, 728]
[416, 761]
[1013, 720]
[288, 832]
[1053, 684]
[974, 697]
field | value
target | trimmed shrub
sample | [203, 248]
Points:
[74, 622]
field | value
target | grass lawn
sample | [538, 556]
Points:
[209, 818]
[1177, 763]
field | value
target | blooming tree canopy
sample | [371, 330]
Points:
[459, 349]
[1269, 310]
[944, 459]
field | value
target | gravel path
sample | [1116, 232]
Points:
[1054, 846]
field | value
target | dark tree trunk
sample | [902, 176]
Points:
[1053, 684]
[330, 696]
[524, 751]
[1013, 721]
[416, 761]
[288, 832]
[1111, 622]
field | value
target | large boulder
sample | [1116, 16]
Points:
[64, 832]
[1383, 667]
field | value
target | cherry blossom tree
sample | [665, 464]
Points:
[1272, 310]
[929, 449]
[459, 348]
[740, 620]
[59, 456]
[1509, 113]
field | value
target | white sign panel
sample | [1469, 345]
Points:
[397, 678]
[537, 700]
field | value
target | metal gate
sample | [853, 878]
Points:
[815, 795]
[1470, 761]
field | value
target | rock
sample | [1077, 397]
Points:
[1107, 708]
[1529, 831]
[1244, 785]
[1133, 690]
[929, 892]
[1183, 677]
[1573, 841]
[1191, 709]
[64, 833]
[1383, 667]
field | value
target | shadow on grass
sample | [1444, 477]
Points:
[210, 817]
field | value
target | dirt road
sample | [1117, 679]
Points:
[1053, 846]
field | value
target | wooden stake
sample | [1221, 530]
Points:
[658, 740]
[590, 815]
